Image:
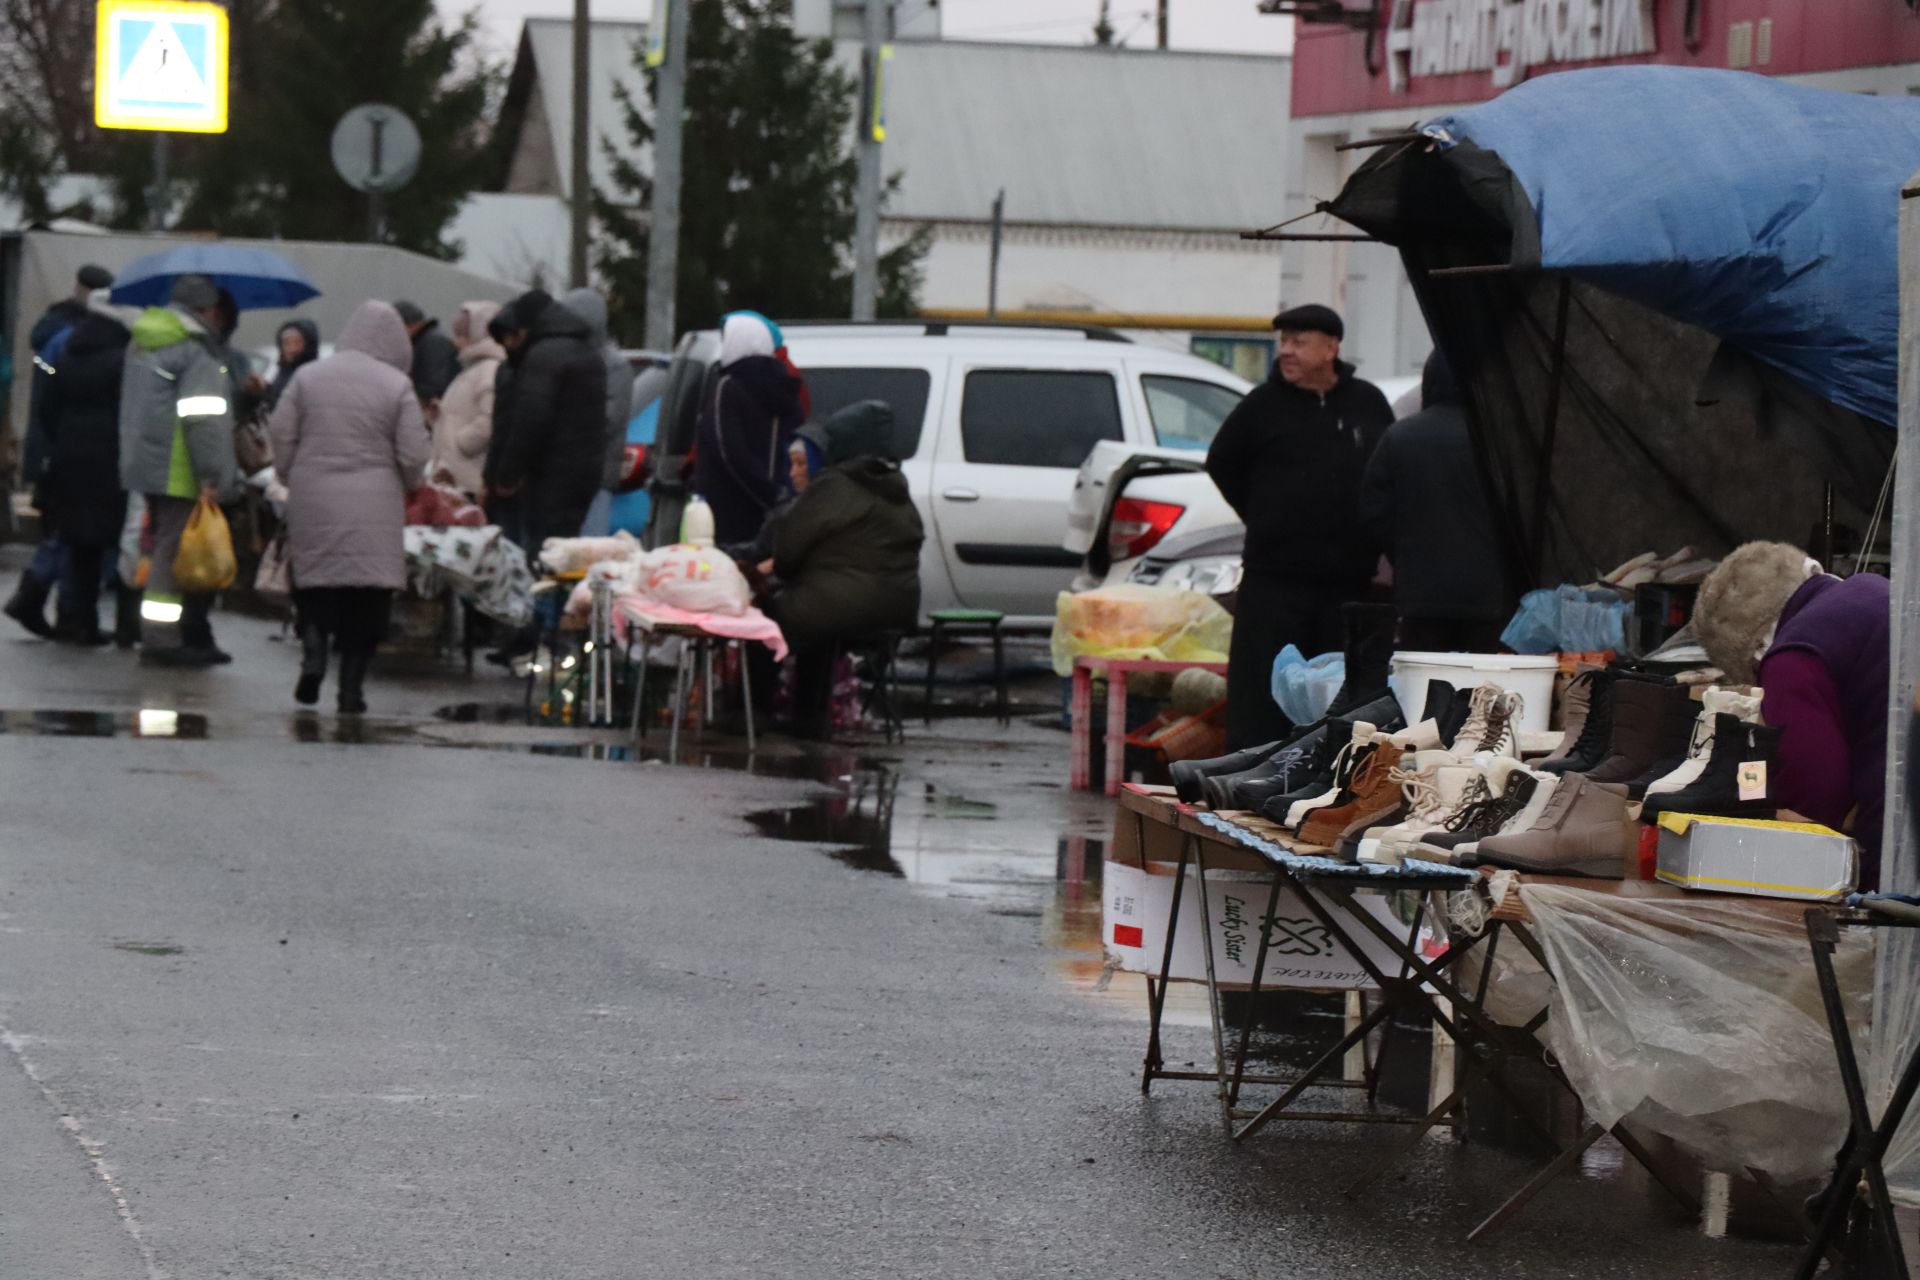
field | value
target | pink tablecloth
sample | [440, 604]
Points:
[647, 613]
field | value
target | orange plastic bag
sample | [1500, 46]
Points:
[205, 561]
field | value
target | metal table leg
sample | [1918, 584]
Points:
[746, 692]
[1116, 730]
[679, 702]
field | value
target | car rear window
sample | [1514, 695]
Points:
[1037, 417]
[906, 390]
[1186, 412]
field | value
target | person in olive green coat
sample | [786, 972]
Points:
[847, 555]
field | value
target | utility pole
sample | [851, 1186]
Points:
[1161, 23]
[581, 184]
[157, 200]
[663, 226]
[866, 223]
[993, 254]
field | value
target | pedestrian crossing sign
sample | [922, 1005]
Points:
[161, 64]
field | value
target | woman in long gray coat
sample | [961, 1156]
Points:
[350, 444]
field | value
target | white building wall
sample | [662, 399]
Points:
[1172, 283]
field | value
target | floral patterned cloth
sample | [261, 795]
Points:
[481, 566]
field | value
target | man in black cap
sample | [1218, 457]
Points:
[436, 360]
[71, 309]
[1290, 459]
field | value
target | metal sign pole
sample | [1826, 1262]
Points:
[581, 187]
[866, 225]
[157, 201]
[663, 231]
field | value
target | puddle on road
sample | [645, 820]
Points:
[150, 723]
[151, 948]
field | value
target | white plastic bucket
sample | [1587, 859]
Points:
[1529, 676]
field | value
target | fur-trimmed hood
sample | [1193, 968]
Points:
[1740, 604]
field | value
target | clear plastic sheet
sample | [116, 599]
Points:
[1700, 1019]
[1896, 1029]
[1136, 620]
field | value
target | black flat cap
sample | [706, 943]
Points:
[93, 276]
[1312, 317]
[410, 312]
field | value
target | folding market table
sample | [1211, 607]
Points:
[1327, 888]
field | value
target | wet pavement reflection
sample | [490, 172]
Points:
[977, 822]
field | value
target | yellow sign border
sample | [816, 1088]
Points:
[103, 114]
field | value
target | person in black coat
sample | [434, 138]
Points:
[1289, 460]
[550, 437]
[1425, 501]
[436, 360]
[81, 488]
[746, 427]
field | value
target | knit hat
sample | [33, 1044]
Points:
[93, 277]
[1741, 601]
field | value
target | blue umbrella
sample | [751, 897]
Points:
[255, 277]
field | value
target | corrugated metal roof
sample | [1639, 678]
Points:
[1086, 136]
[610, 61]
[1078, 136]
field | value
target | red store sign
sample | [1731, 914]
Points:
[1431, 52]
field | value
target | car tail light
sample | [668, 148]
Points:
[1138, 525]
[633, 466]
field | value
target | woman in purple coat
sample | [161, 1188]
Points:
[350, 444]
[1820, 649]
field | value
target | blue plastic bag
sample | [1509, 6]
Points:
[1568, 619]
[1304, 687]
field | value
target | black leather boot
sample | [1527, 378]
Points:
[1595, 742]
[1716, 792]
[28, 605]
[313, 666]
[1313, 772]
[126, 617]
[353, 681]
[1369, 653]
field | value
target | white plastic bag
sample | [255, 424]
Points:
[570, 555]
[698, 579]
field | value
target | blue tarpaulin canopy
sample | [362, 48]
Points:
[1672, 297]
[1765, 213]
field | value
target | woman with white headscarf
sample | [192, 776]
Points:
[746, 426]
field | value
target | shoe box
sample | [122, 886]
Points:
[1137, 897]
[1756, 857]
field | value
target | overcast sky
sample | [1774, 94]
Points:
[1231, 26]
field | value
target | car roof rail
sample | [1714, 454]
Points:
[945, 328]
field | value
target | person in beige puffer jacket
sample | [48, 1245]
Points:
[465, 424]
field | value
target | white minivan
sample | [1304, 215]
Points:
[992, 423]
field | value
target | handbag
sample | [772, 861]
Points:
[273, 580]
[252, 447]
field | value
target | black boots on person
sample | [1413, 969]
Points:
[352, 697]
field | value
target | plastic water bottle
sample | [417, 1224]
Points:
[696, 523]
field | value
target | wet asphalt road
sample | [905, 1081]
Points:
[442, 1012]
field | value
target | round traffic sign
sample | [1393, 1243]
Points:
[376, 148]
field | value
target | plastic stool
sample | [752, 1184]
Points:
[976, 621]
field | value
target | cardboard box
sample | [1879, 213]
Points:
[1302, 953]
[1763, 859]
[1149, 829]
